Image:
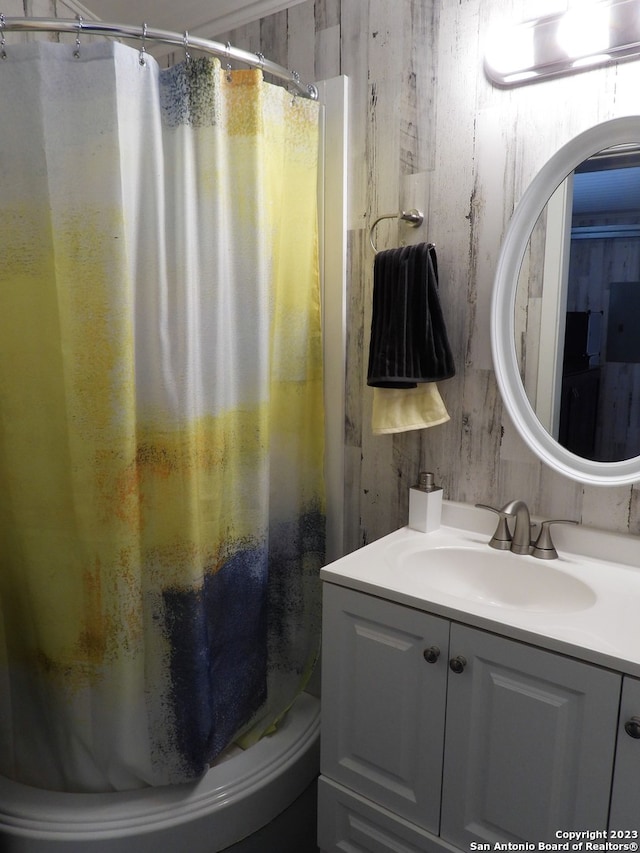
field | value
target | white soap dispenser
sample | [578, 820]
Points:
[425, 504]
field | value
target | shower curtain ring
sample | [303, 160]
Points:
[76, 52]
[185, 42]
[260, 59]
[296, 79]
[142, 59]
[3, 41]
[228, 47]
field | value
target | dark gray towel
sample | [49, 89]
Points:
[409, 342]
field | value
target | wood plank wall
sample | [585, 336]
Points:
[428, 130]
[488, 145]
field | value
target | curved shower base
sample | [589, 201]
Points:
[234, 799]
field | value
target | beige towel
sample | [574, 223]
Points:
[402, 409]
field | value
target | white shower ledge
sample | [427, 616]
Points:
[586, 603]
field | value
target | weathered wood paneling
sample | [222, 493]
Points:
[428, 130]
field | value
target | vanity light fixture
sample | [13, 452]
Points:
[593, 33]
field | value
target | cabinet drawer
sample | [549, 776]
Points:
[383, 703]
[347, 821]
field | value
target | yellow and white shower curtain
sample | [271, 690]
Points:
[161, 451]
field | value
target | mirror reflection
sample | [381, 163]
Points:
[577, 310]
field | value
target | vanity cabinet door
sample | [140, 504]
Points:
[625, 799]
[383, 702]
[530, 742]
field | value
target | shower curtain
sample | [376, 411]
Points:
[161, 424]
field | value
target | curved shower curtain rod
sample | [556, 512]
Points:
[101, 28]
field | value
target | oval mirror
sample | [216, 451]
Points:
[565, 348]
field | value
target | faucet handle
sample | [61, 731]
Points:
[501, 539]
[544, 548]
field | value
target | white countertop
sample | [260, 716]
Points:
[607, 632]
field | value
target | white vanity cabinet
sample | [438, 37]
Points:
[530, 742]
[383, 703]
[436, 734]
[625, 798]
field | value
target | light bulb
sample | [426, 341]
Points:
[585, 31]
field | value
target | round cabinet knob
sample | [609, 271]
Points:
[432, 654]
[632, 727]
[457, 664]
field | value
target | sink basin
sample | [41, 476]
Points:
[497, 578]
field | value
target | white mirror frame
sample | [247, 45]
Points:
[619, 131]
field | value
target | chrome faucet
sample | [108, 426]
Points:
[502, 540]
[521, 540]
